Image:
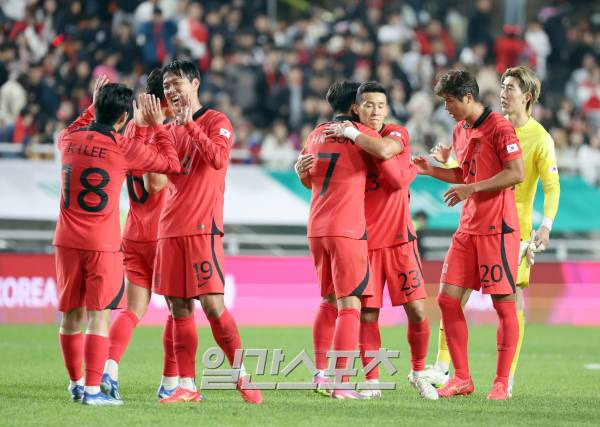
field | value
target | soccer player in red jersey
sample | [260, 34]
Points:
[337, 231]
[189, 258]
[485, 249]
[393, 253]
[89, 265]
[139, 249]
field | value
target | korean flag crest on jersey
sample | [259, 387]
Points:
[512, 148]
[398, 134]
[224, 132]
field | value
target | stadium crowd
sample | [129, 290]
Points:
[270, 76]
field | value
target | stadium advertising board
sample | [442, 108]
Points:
[283, 291]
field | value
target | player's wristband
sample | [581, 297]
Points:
[547, 222]
[351, 133]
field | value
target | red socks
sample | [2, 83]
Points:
[457, 334]
[72, 351]
[226, 334]
[323, 329]
[506, 338]
[120, 334]
[345, 337]
[169, 362]
[370, 340]
[186, 343]
[417, 335]
[95, 355]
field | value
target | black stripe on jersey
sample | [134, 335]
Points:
[417, 258]
[214, 258]
[361, 286]
[115, 302]
[411, 236]
[505, 264]
[198, 113]
[364, 236]
[484, 115]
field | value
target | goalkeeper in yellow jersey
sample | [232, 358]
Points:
[519, 91]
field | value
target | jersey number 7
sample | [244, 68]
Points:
[333, 158]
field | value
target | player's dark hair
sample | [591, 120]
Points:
[182, 68]
[370, 87]
[341, 96]
[113, 100]
[457, 83]
[154, 85]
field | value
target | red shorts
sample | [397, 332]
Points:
[486, 262]
[342, 265]
[138, 259]
[89, 279]
[400, 267]
[189, 266]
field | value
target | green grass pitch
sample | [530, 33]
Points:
[553, 385]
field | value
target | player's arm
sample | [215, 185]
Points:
[155, 182]
[160, 156]
[399, 172]
[381, 147]
[450, 175]
[510, 175]
[546, 165]
[215, 146]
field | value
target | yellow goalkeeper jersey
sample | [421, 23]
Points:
[539, 162]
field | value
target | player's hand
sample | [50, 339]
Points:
[423, 165]
[101, 81]
[152, 110]
[303, 164]
[336, 129]
[542, 239]
[138, 114]
[441, 153]
[527, 250]
[184, 113]
[458, 193]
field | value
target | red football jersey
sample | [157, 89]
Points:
[337, 205]
[481, 152]
[144, 207]
[95, 160]
[387, 196]
[194, 203]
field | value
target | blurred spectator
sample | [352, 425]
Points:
[263, 70]
[512, 50]
[277, 151]
[157, 39]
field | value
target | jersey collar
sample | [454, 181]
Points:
[102, 128]
[198, 113]
[486, 112]
[343, 118]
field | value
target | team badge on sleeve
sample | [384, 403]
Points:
[553, 169]
[224, 132]
[511, 148]
[398, 134]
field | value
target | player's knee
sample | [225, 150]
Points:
[415, 313]
[73, 320]
[369, 315]
[446, 302]
[212, 305]
[330, 299]
[139, 309]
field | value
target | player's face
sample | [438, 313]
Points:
[512, 98]
[372, 109]
[457, 108]
[178, 88]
